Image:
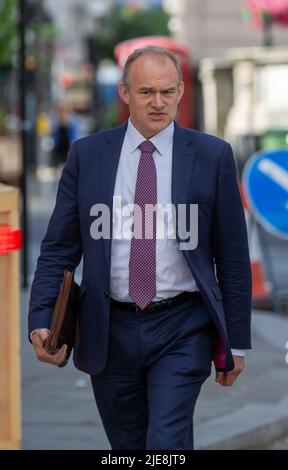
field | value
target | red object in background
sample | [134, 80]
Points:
[66, 79]
[276, 9]
[10, 239]
[185, 115]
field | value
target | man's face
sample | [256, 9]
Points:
[153, 94]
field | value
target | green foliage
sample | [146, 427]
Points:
[2, 116]
[8, 30]
[124, 23]
[45, 31]
[110, 116]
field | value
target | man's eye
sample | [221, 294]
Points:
[146, 92]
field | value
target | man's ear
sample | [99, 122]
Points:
[181, 91]
[123, 93]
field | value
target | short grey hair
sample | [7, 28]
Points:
[153, 50]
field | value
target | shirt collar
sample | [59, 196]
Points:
[161, 140]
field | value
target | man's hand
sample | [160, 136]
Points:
[228, 378]
[38, 340]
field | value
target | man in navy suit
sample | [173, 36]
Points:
[156, 310]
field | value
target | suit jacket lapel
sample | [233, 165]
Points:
[183, 160]
[110, 160]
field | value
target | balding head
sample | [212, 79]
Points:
[161, 52]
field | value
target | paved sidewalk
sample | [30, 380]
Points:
[59, 410]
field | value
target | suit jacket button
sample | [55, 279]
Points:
[106, 293]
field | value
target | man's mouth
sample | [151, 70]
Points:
[157, 115]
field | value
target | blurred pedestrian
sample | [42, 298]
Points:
[64, 132]
[154, 311]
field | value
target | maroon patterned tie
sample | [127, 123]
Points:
[142, 264]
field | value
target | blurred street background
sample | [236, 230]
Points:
[60, 63]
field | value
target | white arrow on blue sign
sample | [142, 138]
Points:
[265, 179]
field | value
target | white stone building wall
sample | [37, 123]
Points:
[211, 26]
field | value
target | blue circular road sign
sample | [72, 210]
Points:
[265, 179]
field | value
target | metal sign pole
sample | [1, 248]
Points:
[24, 215]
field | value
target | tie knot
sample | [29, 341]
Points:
[147, 146]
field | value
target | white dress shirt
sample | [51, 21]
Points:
[173, 275]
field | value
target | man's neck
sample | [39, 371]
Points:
[148, 136]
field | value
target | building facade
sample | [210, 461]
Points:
[212, 26]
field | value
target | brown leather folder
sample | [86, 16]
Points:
[64, 318]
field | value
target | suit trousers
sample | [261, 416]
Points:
[157, 363]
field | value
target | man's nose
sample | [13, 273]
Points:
[157, 100]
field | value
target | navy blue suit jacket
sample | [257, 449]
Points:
[204, 173]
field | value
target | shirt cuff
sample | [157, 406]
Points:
[238, 352]
[34, 331]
